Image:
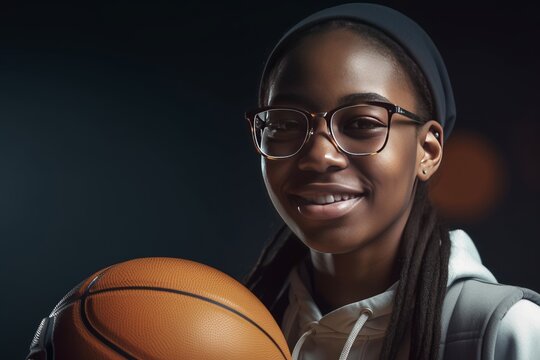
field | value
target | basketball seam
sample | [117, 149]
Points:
[91, 328]
[100, 336]
[73, 298]
[180, 292]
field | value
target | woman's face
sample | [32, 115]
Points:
[317, 76]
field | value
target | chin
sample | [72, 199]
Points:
[327, 243]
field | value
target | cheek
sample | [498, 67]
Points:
[267, 176]
[274, 174]
[394, 171]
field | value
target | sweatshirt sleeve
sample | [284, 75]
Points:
[518, 337]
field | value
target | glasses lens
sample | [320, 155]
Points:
[280, 132]
[360, 129]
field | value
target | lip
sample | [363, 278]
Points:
[314, 189]
[328, 211]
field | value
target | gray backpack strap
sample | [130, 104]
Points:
[471, 315]
[450, 300]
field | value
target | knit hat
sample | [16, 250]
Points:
[407, 33]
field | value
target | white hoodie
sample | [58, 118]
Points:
[356, 330]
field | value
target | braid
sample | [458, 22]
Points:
[425, 250]
[274, 265]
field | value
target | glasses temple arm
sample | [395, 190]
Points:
[410, 115]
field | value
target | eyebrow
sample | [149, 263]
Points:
[358, 97]
[344, 100]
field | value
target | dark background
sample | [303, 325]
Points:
[122, 136]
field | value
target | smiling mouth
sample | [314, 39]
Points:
[325, 199]
[321, 207]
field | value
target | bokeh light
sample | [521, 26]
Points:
[471, 179]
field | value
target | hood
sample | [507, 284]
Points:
[303, 316]
[465, 260]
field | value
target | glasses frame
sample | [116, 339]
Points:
[328, 116]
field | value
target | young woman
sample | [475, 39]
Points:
[354, 106]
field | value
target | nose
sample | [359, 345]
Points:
[319, 153]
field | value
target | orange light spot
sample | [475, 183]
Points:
[470, 180]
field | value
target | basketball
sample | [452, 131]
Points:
[159, 308]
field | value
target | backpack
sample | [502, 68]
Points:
[471, 314]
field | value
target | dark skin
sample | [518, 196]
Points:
[354, 255]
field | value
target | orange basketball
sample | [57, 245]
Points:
[159, 308]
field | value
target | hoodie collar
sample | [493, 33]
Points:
[464, 262]
[340, 320]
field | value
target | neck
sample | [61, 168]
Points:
[341, 279]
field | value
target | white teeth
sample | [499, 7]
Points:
[319, 200]
[330, 198]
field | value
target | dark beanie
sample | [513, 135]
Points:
[407, 33]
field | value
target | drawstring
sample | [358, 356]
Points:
[364, 316]
[299, 344]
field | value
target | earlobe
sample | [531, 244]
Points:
[430, 148]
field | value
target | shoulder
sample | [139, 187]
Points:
[518, 336]
[496, 320]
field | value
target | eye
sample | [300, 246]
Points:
[362, 123]
[361, 128]
[283, 124]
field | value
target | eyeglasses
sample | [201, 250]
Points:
[361, 129]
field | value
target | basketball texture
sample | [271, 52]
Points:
[159, 308]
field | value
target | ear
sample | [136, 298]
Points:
[430, 149]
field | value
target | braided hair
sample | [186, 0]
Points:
[425, 245]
